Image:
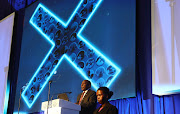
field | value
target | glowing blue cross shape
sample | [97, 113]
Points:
[68, 43]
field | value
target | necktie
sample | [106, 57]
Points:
[81, 97]
[100, 109]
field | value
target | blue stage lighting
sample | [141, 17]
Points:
[67, 42]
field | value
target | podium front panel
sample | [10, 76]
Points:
[59, 110]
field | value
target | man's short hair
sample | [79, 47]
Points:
[88, 82]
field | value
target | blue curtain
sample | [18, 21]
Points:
[132, 105]
[155, 105]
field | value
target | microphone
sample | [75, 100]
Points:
[60, 93]
[23, 87]
[51, 81]
[69, 92]
[63, 92]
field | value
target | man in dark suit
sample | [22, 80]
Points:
[87, 99]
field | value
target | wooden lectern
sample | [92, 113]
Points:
[60, 106]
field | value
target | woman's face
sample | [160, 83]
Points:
[101, 98]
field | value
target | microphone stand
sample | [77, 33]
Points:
[19, 101]
[49, 92]
[49, 95]
[22, 89]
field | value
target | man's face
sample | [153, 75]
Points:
[100, 96]
[84, 85]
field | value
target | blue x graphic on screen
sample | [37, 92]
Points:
[68, 43]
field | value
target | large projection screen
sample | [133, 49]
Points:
[6, 31]
[94, 40]
[165, 47]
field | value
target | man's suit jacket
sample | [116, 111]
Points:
[88, 103]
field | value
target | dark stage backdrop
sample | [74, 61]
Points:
[104, 52]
